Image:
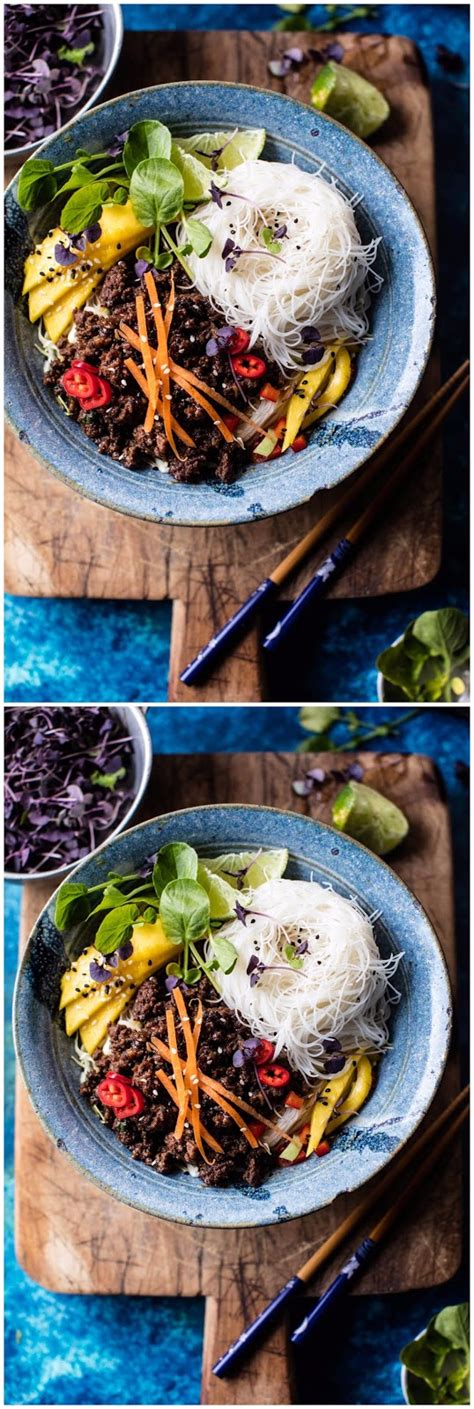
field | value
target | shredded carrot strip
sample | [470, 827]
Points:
[146, 352]
[192, 1080]
[216, 395]
[177, 1070]
[163, 363]
[168, 1085]
[206, 405]
[214, 1090]
[141, 379]
[170, 305]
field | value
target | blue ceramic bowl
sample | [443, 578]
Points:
[388, 369]
[408, 1074]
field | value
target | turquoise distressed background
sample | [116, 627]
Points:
[56, 649]
[128, 1350]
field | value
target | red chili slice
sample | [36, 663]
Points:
[239, 341]
[249, 367]
[264, 1052]
[231, 422]
[80, 382]
[274, 1075]
[101, 395]
[323, 1148]
[118, 1093]
[257, 1128]
[299, 444]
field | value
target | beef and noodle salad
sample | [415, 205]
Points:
[225, 1019]
[197, 306]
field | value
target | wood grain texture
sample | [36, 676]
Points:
[73, 1238]
[58, 544]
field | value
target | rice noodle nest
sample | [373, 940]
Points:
[321, 277]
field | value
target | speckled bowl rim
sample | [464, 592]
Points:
[259, 1220]
[221, 520]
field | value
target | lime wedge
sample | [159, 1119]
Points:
[369, 817]
[244, 146]
[195, 173]
[349, 98]
[267, 866]
[221, 894]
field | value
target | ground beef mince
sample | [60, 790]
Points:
[149, 1136]
[117, 429]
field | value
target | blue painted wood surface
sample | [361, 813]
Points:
[48, 652]
[102, 1350]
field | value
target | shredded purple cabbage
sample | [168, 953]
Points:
[52, 62]
[56, 809]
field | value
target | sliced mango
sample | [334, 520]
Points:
[58, 318]
[121, 232]
[308, 387]
[324, 1106]
[357, 1094]
[334, 389]
[94, 1031]
[151, 949]
[83, 1008]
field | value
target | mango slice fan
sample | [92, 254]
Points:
[159, 370]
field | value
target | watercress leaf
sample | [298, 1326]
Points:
[192, 975]
[163, 260]
[289, 951]
[143, 252]
[174, 970]
[150, 916]
[75, 56]
[107, 780]
[453, 1324]
[199, 237]
[225, 952]
[273, 246]
[408, 665]
[116, 928]
[175, 861]
[37, 184]
[156, 191]
[84, 207]
[184, 911]
[146, 139]
[444, 633]
[73, 905]
[318, 718]
[111, 898]
[120, 196]
[79, 176]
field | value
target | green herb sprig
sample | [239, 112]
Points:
[145, 173]
[320, 720]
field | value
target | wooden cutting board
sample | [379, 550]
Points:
[60, 545]
[71, 1237]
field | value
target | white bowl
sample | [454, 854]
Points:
[133, 719]
[112, 39]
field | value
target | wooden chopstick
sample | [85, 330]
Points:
[369, 1246]
[343, 550]
[254, 1332]
[241, 620]
[380, 458]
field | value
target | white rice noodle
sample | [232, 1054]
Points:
[83, 1059]
[322, 277]
[343, 989]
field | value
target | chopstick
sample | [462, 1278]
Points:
[253, 1333]
[242, 619]
[336, 560]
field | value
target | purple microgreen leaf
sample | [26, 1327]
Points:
[279, 67]
[334, 1064]
[141, 267]
[310, 334]
[238, 1059]
[93, 233]
[302, 787]
[98, 972]
[215, 194]
[171, 983]
[355, 770]
[253, 964]
[296, 56]
[311, 355]
[125, 950]
[331, 1044]
[64, 255]
[228, 247]
[212, 347]
[317, 775]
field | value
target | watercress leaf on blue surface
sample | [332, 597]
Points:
[184, 911]
[37, 184]
[146, 139]
[225, 952]
[84, 207]
[73, 905]
[453, 1324]
[176, 861]
[156, 191]
[438, 1361]
[199, 237]
[317, 719]
[116, 928]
